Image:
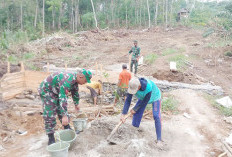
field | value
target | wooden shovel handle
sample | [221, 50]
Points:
[117, 126]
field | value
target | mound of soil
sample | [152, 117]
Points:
[130, 140]
[174, 76]
[3, 68]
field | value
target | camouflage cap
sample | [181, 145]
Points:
[88, 75]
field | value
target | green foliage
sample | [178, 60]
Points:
[179, 59]
[169, 51]
[150, 58]
[31, 66]
[208, 32]
[88, 20]
[10, 38]
[228, 53]
[223, 110]
[27, 56]
[12, 59]
[106, 76]
[219, 43]
[170, 104]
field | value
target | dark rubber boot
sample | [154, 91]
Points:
[51, 139]
[67, 127]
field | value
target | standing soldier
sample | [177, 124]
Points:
[54, 93]
[135, 50]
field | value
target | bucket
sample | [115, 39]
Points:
[68, 136]
[59, 149]
[80, 122]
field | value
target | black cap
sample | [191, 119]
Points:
[124, 66]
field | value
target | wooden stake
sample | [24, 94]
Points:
[8, 67]
[65, 67]
[96, 68]
[22, 67]
[101, 68]
[47, 67]
[129, 62]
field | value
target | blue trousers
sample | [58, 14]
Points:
[156, 107]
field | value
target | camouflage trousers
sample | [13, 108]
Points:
[135, 63]
[51, 108]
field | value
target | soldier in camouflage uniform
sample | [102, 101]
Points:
[53, 92]
[135, 50]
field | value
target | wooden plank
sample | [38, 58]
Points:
[12, 86]
[13, 74]
[11, 94]
[3, 84]
[12, 78]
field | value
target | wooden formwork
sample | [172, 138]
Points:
[12, 84]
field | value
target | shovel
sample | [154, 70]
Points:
[115, 129]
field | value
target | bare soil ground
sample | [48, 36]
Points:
[200, 135]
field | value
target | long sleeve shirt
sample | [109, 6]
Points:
[135, 52]
[57, 85]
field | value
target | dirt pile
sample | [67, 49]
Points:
[174, 76]
[3, 68]
[130, 141]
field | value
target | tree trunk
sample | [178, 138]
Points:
[8, 21]
[77, 21]
[118, 19]
[43, 15]
[149, 17]
[163, 11]
[72, 19]
[166, 15]
[140, 18]
[21, 16]
[60, 15]
[137, 11]
[156, 11]
[112, 12]
[95, 18]
[170, 21]
[144, 15]
[53, 18]
[36, 14]
[126, 18]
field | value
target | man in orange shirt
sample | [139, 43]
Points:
[123, 81]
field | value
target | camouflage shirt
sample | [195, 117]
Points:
[57, 85]
[135, 52]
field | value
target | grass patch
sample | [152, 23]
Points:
[31, 66]
[12, 59]
[170, 104]
[228, 53]
[150, 58]
[180, 50]
[169, 51]
[27, 56]
[179, 59]
[219, 44]
[223, 110]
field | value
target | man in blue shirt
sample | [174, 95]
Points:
[147, 93]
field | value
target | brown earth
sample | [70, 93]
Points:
[182, 136]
